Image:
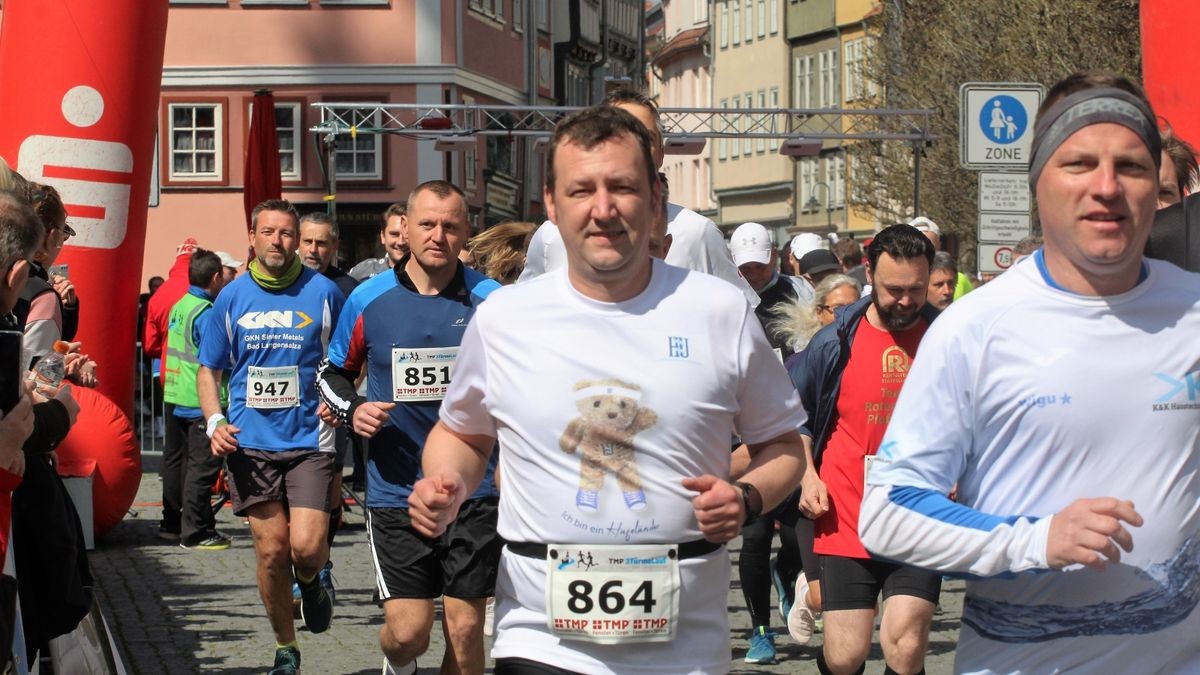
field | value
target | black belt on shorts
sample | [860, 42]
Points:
[688, 549]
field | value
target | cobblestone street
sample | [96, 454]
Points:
[177, 611]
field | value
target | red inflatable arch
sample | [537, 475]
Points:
[80, 80]
[102, 445]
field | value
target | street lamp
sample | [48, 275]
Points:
[812, 204]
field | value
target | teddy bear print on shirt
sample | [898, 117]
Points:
[609, 417]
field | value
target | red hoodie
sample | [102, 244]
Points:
[158, 308]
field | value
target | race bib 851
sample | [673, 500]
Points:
[422, 374]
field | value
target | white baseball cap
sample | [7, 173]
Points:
[751, 243]
[805, 242]
[924, 224]
[228, 260]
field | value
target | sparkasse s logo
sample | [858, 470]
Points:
[274, 319]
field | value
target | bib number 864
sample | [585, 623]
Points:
[610, 598]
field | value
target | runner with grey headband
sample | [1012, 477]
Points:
[1085, 108]
[1061, 399]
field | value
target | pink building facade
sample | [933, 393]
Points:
[679, 77]
[337, 51]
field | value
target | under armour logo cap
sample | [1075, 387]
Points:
[751, 243]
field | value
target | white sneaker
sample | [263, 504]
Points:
[409, 668]
[489, 617]
[801, 620]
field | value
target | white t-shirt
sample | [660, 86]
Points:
[1029, 397]
[535, 359]
[696, 244]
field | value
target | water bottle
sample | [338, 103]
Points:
[50, 370]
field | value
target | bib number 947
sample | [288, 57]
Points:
[613, 594]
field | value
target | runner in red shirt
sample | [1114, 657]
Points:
[849, 378]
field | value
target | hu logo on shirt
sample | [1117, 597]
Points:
[274, 319]
[1189, 386]
[895, 364]
[677, 347]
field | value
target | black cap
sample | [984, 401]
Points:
[818, 261]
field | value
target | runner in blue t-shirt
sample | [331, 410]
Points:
[406, 326]
[270, 329]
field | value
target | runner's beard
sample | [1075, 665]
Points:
[893, 318]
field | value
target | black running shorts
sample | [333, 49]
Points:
[462, 563]
[856, 583]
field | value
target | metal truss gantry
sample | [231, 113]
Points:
[427, 122]
[813, 126]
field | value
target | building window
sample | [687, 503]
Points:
[775, 106]
[543, 14]
[839, 180]
[518, 13]
[749, 20]
[760, 142]
[806, 77]
[724, 26]
[723, 145]
[493, 9]
[290, 133]
[774, 16]
[737, 22]
[762, 18]
[855, 70]
[359, 157]
[829, 78]
[735, 145]
[807, 169]
[700, 11]
[197, 141]
[749, 102]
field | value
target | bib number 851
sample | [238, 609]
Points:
[610, 598]
[426, 375]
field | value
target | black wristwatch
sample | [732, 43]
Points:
[748, 502]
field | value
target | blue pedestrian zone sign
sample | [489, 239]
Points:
[995, 124]
[1003, 119]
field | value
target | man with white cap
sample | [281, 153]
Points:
[1064, 403]
[753, 250]
[962, 283]
[229, 266]
[801, 244]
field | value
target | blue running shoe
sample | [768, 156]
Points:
[784, 605]
[325, 576]
[762, 646]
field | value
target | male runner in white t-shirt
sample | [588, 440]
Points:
[613, 387]
[1063, 400]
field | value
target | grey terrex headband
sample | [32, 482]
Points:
[1085, 108]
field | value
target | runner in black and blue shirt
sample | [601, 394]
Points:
[406, 326]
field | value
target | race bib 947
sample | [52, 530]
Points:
[421, 374]
[273, 387]
[613, 594]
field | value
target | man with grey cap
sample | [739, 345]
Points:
[754, 253]
[1063, 401]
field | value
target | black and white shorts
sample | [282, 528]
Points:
[462, 563]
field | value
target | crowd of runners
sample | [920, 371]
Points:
[562, 460]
